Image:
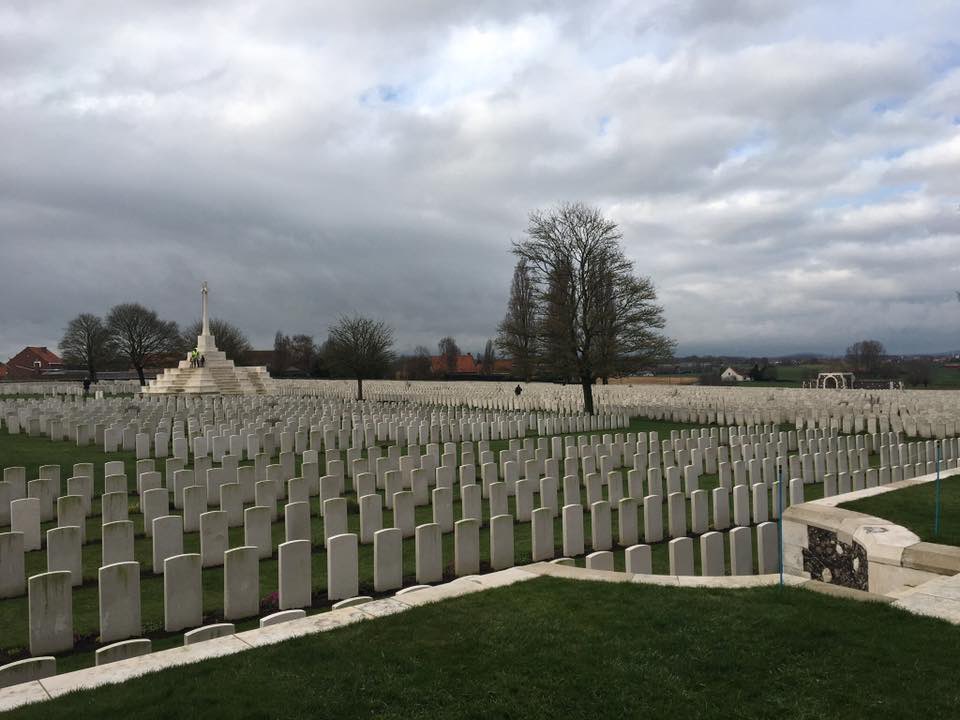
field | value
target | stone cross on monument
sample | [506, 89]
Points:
[205, 330]
[216, 375]
[206, 343]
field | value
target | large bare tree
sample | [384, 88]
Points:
[418, 366]
[280, 362]
[488, 358]
[595, 317]
[517, 332]
[303, 353]
[361, 348]
[866, 356]
[229, 338]
[449, 351]
[137, 333]
[86, 342]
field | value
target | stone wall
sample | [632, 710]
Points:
[841, 547]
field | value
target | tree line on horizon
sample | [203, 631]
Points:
[576, 312]
[870, 360]
[134, 334]
[867, 360]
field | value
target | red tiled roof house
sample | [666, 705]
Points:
[466, 365]
[31, 362]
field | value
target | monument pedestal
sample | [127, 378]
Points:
[218, 375]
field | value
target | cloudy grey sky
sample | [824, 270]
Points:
[786, 172]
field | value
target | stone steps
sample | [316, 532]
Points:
[218, 375]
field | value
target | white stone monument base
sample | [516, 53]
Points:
[217, 376]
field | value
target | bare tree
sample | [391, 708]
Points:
[361, 348]
[866, 356]
[303, 353]
[917, 371]
[449, 351]
[595, 317]
[229, 338]
[517, 333]
[280, 362]
[419, 366]
[137, 333]
[86, 342]
[488, 358]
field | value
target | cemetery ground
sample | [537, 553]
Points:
[552, 647]
[31, 452]
[913, 508]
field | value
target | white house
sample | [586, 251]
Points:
[731, 375]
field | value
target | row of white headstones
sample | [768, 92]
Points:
[724, 405]
[918, 413]
[405, 486]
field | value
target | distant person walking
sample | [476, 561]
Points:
[86, 387]
[517, 390]
[203, 360]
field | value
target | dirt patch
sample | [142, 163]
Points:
[657, 380]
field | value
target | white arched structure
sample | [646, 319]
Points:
[835, 380]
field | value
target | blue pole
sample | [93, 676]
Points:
[780, 520]
[936, 502]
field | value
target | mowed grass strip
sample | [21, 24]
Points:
[914, 508]
[551, 648]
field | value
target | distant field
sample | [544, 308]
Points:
[799, 373]
[657, 380]
[945, 378]
[793, 376]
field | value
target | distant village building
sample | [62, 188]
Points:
[468, 366]
[32, 363]
[733, 375]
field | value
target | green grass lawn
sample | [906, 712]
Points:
[793, 376]
[550, 648]
[33, 452]
[913, 507]
[945, 378]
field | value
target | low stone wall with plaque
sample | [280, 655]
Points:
[825, 542]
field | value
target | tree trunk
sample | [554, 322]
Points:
[143, 380]
[359, 388]
[587, 383]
